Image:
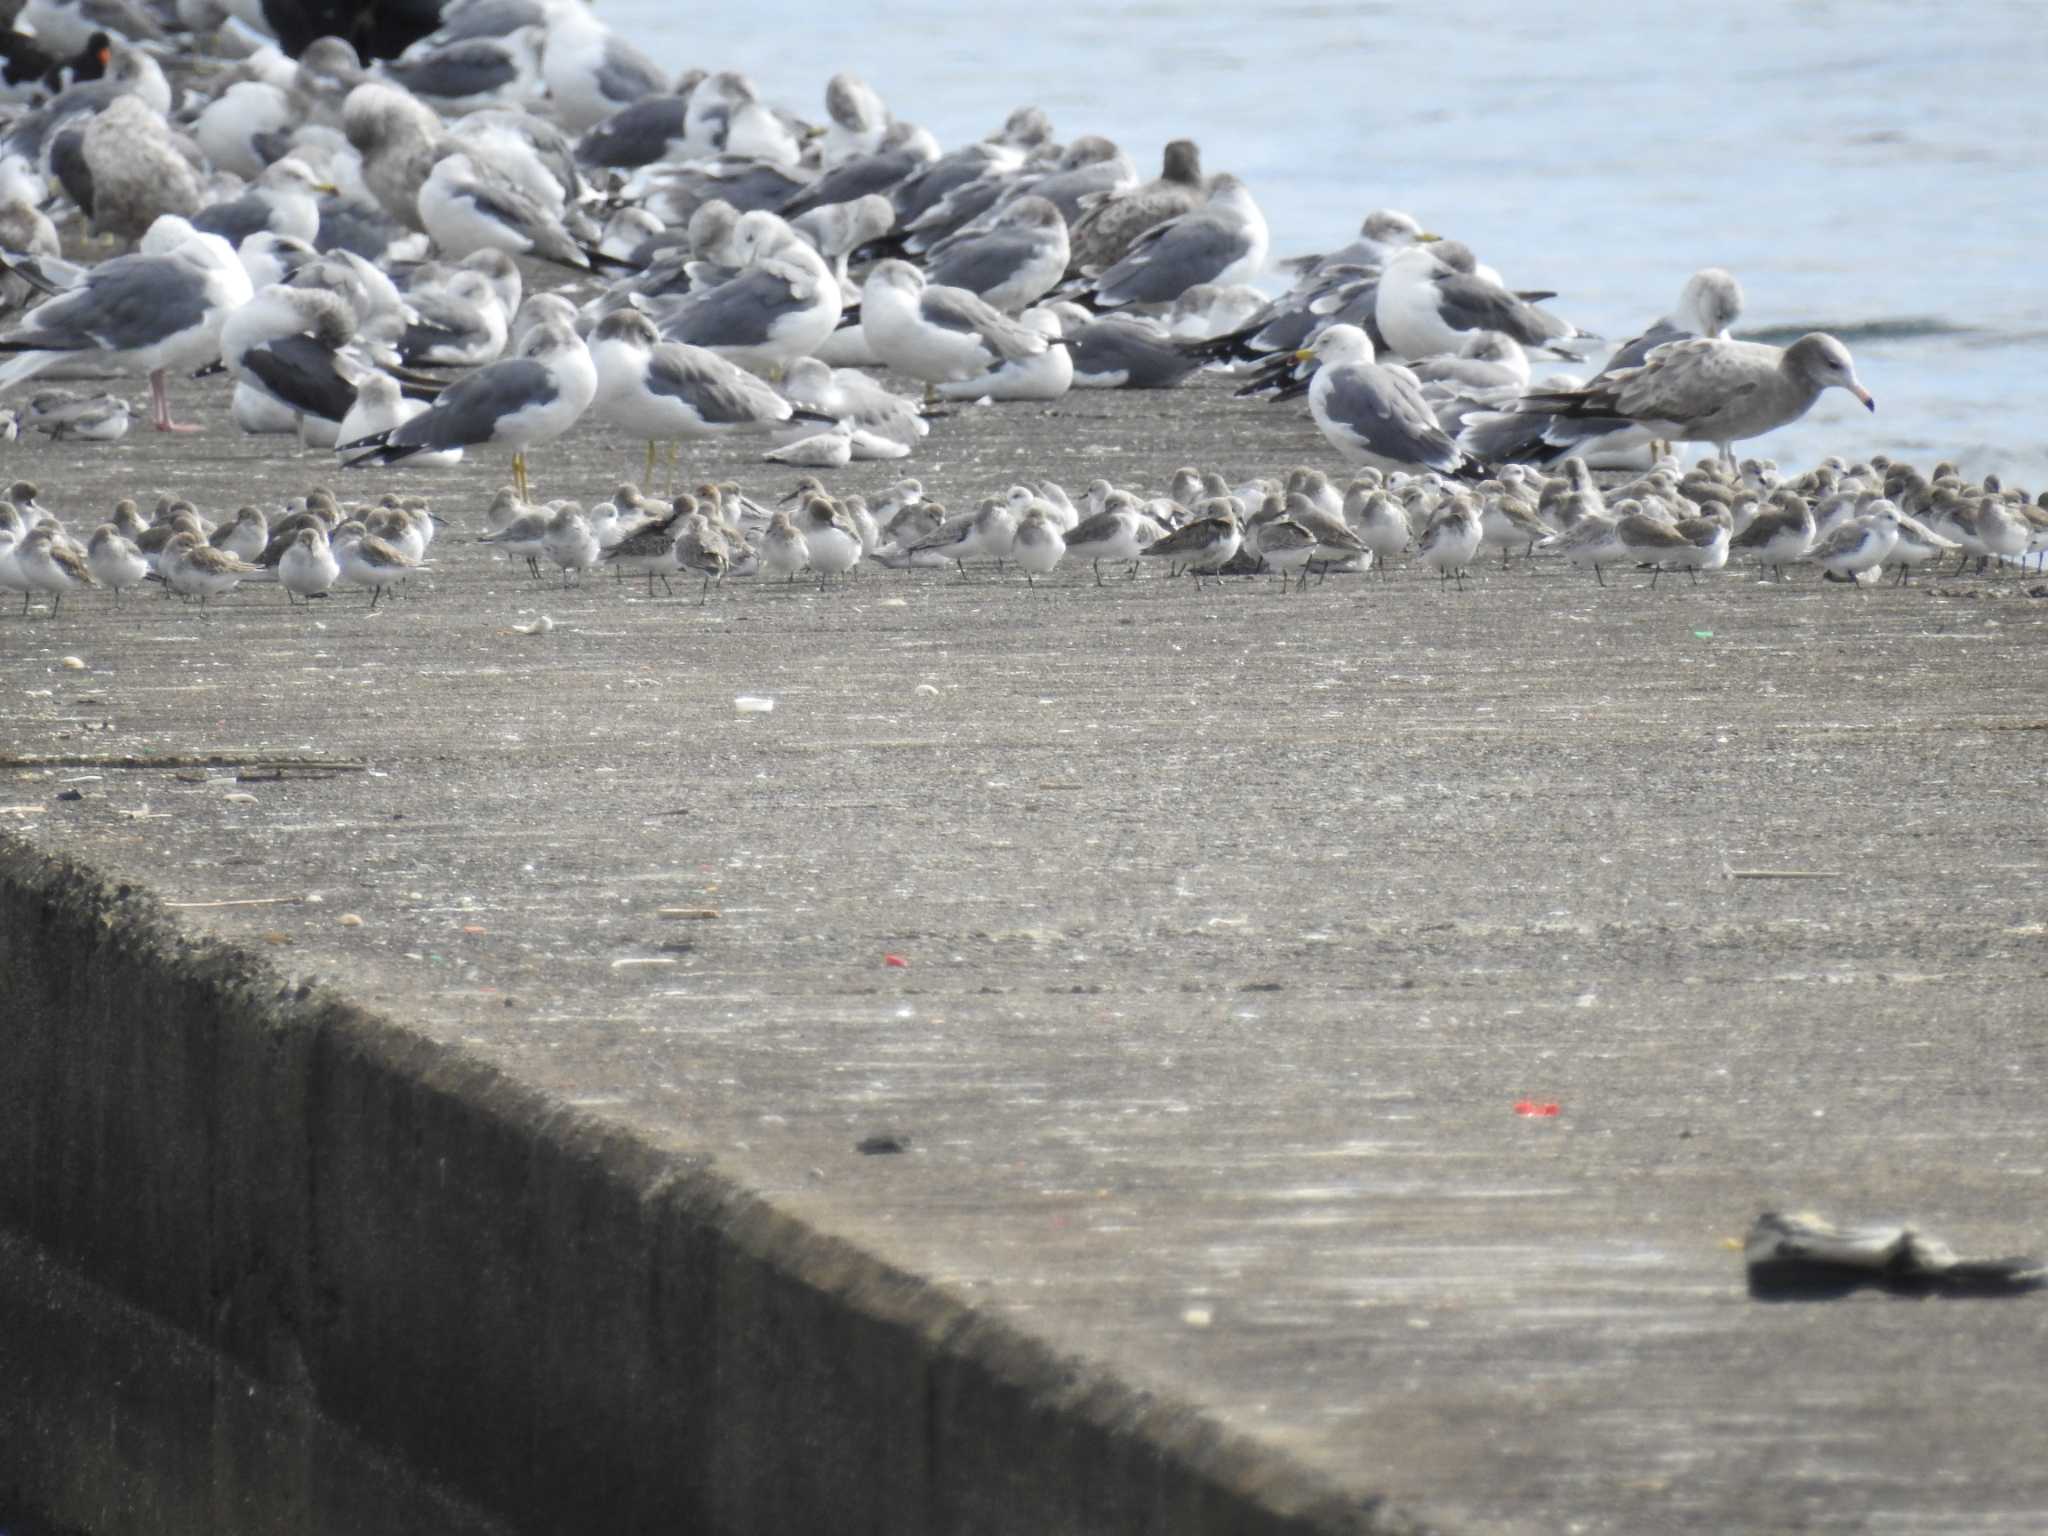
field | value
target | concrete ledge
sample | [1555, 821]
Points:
[565, 1326]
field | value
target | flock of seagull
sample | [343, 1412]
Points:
[355, 240]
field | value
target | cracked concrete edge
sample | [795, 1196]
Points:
[555, 1321]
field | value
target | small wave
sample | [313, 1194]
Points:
[1904, 328]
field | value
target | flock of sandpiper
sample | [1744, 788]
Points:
[1852, 523]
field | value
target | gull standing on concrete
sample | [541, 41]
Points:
[1374, 414]
[1708, 305]
[158, 309]
[666, 391]
[1710, 391]
[532, 398]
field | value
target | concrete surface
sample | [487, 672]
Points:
[1235, 927]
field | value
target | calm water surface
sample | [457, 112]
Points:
[1874, 168]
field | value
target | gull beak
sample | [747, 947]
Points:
[1426, 238]
[326, 189]
[1306, 354]
[1864, 395]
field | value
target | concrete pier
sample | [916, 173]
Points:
[464, 1041]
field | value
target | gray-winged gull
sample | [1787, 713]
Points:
[1382, 232]
[379, 407]
[1223, 241]
[458, 322]
[1715, 391]
[478, 72]
[1122, 351]
[906, 151]
[1373, 414]
[591, 72]
[782, 305]
[158, 309]
[532, 398]
[1110, 221]
[284, 200]
[1426, 304]
[859, 119]
[467, 206]
[1708, 305]
[1014, 263]
[666, 391]
[938, 334]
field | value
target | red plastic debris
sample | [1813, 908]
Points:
[1543, 1108]
[898, 961]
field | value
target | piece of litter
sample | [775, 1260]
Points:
[1542, 1109]
[1198, 1317]
[896, 961]
[753, 704]
[1807, 1256]
[239, 798]
[1703, 634]
[688, 914]
[883, 1145]
[632, 961]
[927, 691]
[539, 626]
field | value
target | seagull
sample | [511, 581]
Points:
[1047, 376]
[668, 390]
[936, 333]
[1109, 222]
[1373, 414]
[590, 72]
[467, 205]
[285, 344]
[284, 200]
[1223, 241]
[1123, 352]
[1714, 391]
[136, 170]
[158, 309]
[1708, 305]
[782, 305]
[1430, 296]
[532, 398]
[1014, 263]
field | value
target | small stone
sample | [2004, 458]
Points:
[349, 920]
